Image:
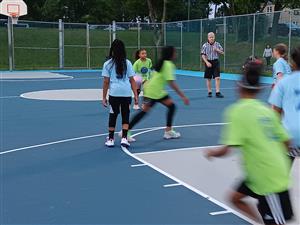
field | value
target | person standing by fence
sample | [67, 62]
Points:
[210, 54]
[268, 55]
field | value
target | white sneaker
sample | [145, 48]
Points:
[125, 143]
[136, 107]
[172, 134]
[110, 142]
[129, 138]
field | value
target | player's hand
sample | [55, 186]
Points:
[186, 101]
[104, 102]
[208, 64]
[208, 154]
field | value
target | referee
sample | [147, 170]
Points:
[210, 54]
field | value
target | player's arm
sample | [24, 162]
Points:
[279, 76]
[106, 81]
[277, 109]
[175, 87]
[134, 89]
[218, 152]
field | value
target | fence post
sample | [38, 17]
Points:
[88, 48]
[110, 34]
[61, 44]
[253, 35]
[114, 35]
[181, 45]
[224, 45]
[139, 34]
[201, 31]
[165, 33]
[10, 34]
[290, 32]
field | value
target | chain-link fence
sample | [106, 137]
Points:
[57, 45]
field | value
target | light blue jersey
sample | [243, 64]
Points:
[118, 87]
[286, 95]
[281, 66]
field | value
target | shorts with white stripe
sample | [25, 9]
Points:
[274, 208]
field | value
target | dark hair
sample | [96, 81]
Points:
[282, 49]
[295, 55]
[166, 54]
[117, 54]
[252, 58]
[251, 76]
[137, 53]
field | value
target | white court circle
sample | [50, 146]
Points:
[66, 95]
[31, 75]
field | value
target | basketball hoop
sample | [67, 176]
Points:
[13, 9]
[14, 18]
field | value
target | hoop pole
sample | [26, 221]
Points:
[61, 44]
[10, 44]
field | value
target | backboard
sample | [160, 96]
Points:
[13, 9]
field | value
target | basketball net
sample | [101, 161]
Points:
[14, 18]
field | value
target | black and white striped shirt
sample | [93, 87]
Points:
[208, 50]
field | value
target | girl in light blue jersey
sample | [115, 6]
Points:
[281, 66]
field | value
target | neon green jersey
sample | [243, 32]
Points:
[257, 130]
[155, 87]
[143, 68]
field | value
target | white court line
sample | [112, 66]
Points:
[138, 165]
[36, 80]
[99, 135]
[146, 163]
[172, 185]
[219, 213]
[6, 97]
[174, 150]
[190, 187]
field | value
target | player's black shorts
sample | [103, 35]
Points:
[275, 208]
[213, 71]
[151, 102]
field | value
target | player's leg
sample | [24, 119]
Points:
[125, 112]
[114, 110]
[148, 104]
[169, 132]
[237, 199]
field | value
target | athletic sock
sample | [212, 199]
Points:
[124, 133]
[111, 134]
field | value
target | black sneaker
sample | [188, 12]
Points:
[209, 94]
[219, 95]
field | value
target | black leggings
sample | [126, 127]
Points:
[151, 103]
[117, 103]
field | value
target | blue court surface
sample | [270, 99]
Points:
[55, 168]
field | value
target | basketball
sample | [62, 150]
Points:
[138, 80]
[144, 70]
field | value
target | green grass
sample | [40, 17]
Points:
[76, 53]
